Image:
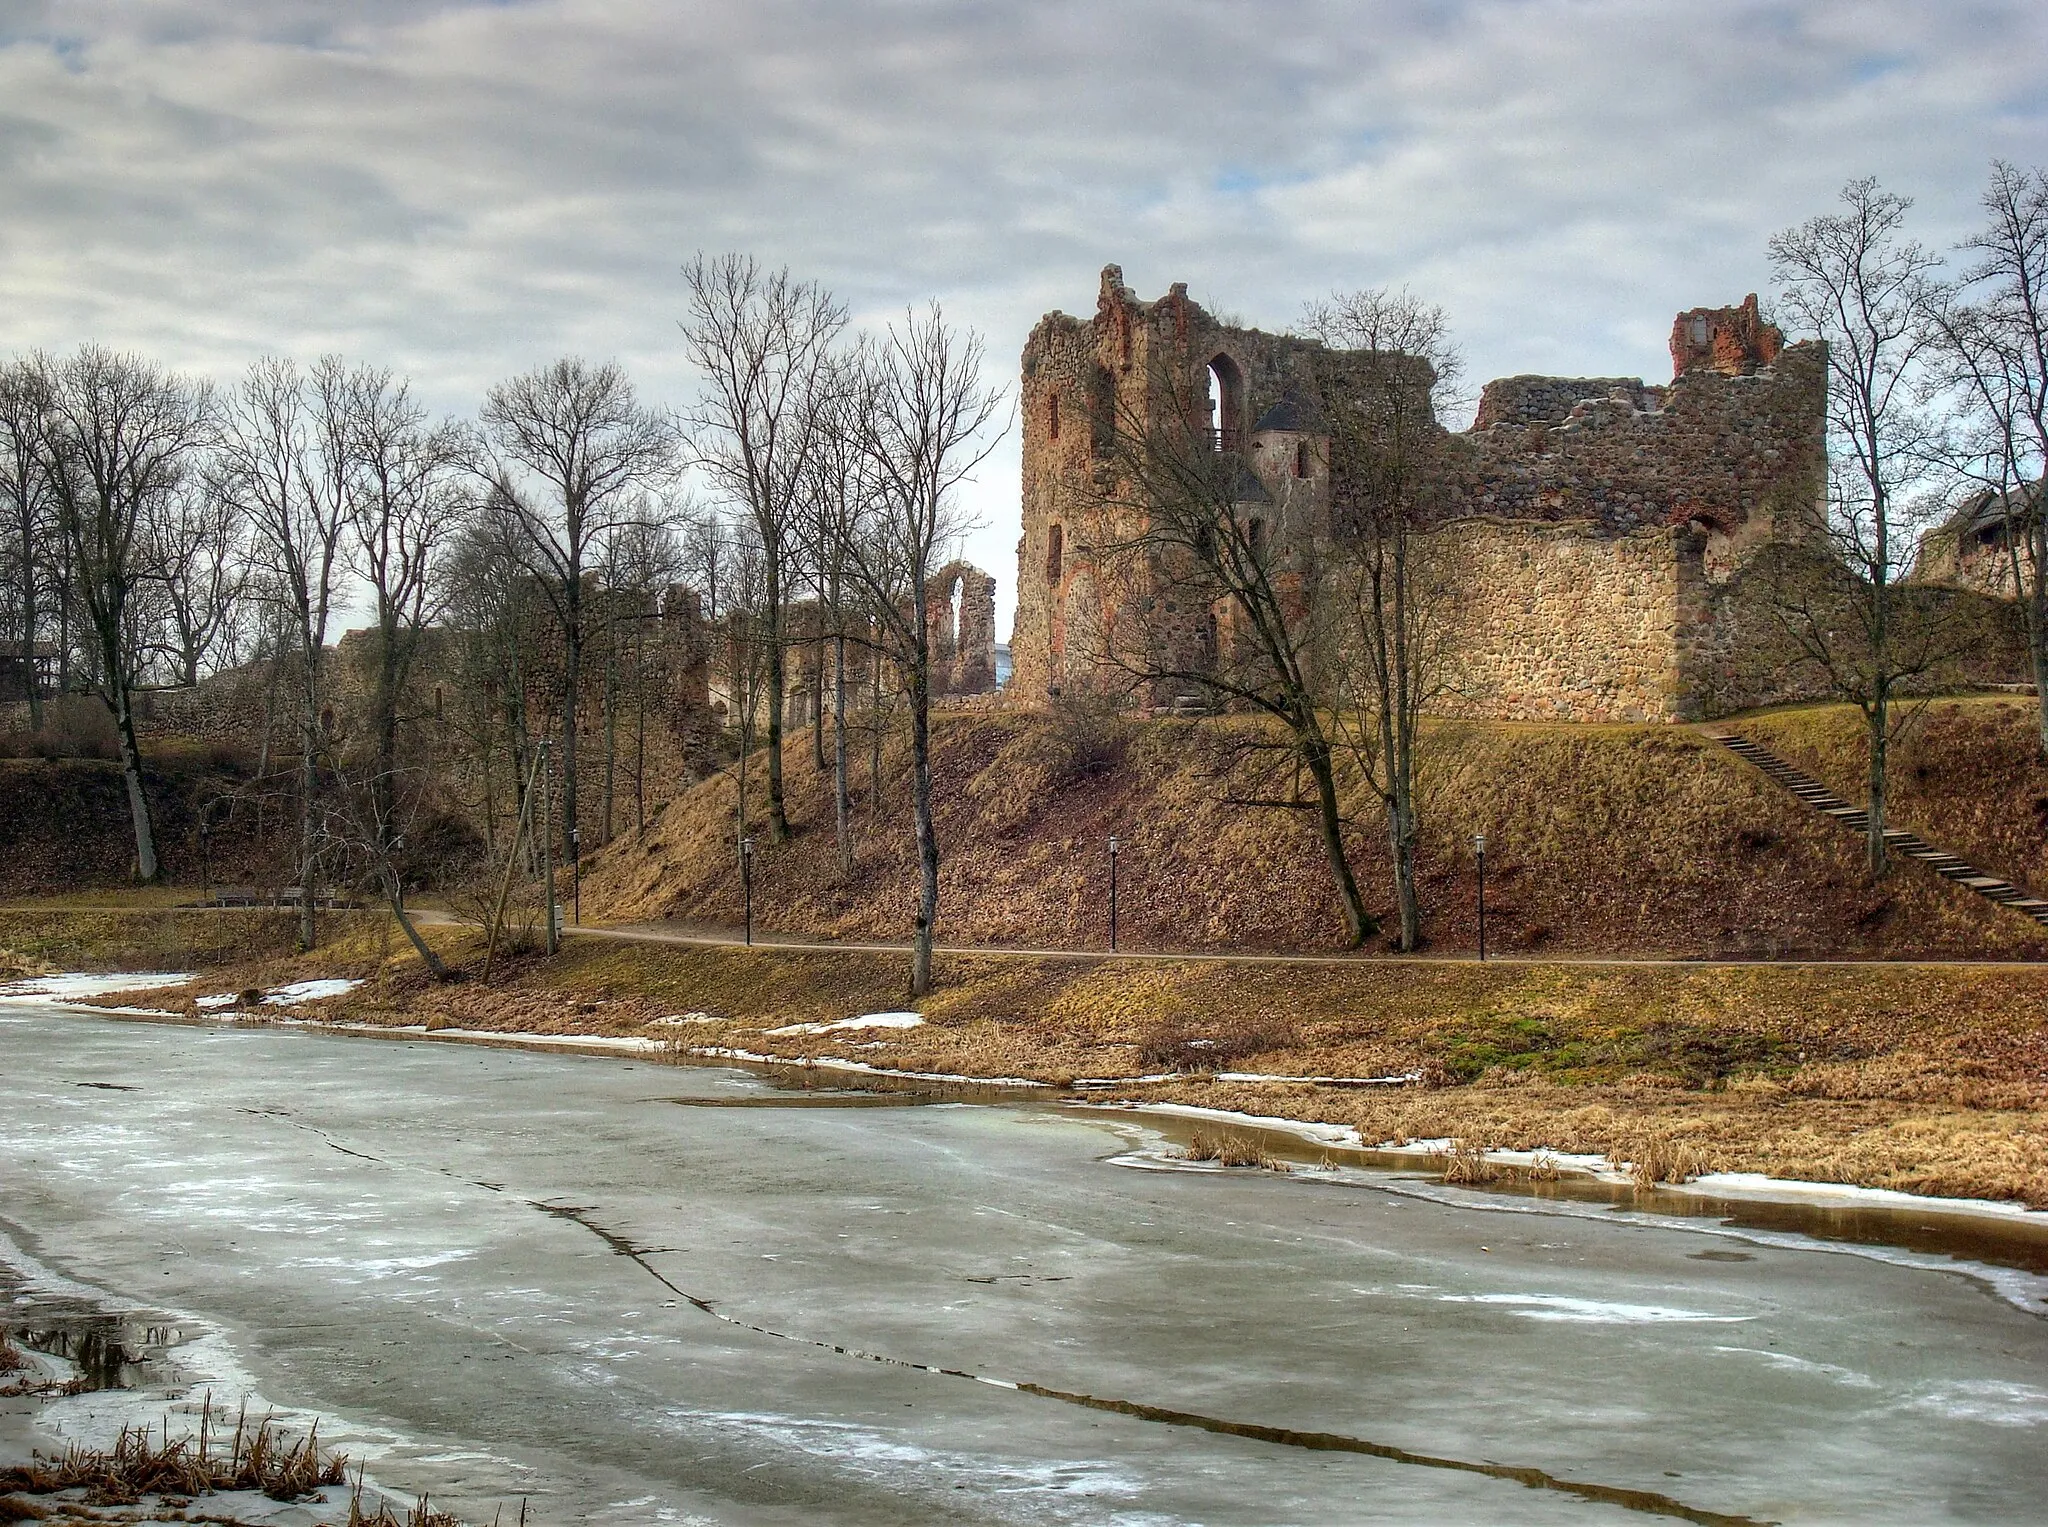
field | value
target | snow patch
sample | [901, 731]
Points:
[71, 987]
[865, 1021]
[309, 991]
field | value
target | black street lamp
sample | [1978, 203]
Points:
[1479, 849]
[747, 882]
[576, 873]
[1112, 893]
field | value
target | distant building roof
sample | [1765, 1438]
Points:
[1245, 487]
[1990, 507]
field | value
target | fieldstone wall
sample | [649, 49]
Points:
[1563, 622]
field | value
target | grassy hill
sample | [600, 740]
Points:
[1645, 840]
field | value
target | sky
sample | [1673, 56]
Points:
[464, 191]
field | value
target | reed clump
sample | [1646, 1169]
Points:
[144, 1461]
[1231, 1150]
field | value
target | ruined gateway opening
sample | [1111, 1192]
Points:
[1226, 403]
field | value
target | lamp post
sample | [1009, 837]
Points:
[1112, 893]
[576, 874]
[205, 859]
[747, 882]
[1479, 851]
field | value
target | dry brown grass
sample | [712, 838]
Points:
[1603, 839]
[1966, 774]
[1227, 1149]
[144, 1462]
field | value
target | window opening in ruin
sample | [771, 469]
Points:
[1055, 555]
[1052, 416]
[1226, 404]
[1255, 534]
[1301, 458]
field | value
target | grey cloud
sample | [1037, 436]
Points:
[462, 190]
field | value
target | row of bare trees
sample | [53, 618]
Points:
[841, 464]
[160, 530]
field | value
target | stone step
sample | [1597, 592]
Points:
[1908, 845]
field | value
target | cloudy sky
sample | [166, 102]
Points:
[465, 190]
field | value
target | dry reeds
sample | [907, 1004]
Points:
[1650, 1158]
[143, 1462]
[1467, 1163]
[1231, 1150]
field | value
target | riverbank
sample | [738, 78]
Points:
[1923, 1079]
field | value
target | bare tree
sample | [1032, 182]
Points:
[25, 499]
[1393, 366]
[837, 487]
[200, 562]
[1992, 354]
[1854, 279]
[1248, 577]
[404, 507]
[923, 416]
[284, 462]
[571, 455]
[119, 436]
[760, 338]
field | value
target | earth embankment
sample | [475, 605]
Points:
[1612, 840]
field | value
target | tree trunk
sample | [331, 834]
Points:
[1401, 834]
[1358, 924]
[927, 840]
[146, 867]
[1879, 718]
[31, 670]
[778, 819]
[818, 708]
[611, 735]
[875, 735]
[309, 755]
[842, 808]
[396, 899]
[572, 657]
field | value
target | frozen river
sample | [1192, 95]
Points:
[643, 1294]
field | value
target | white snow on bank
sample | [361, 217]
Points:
[833, 1063]
[216, 1002]
[677, 1020]
[865, 1021]
[1590, 1311]
[68, 988]
[1321, 1134]
[309, 991]
[1754, 1185]
[1322, 1081]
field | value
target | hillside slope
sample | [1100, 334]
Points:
[1602, 840]
[1965, 774]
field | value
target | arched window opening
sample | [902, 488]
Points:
[1226, 404]
[1255, 536]
[1301, 458]
[1052, 416]
[1055, 555]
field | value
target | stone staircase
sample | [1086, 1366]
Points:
[1905, 844]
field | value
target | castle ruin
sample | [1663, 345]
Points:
[1606, 525]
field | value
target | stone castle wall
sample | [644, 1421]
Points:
[1602, 523]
